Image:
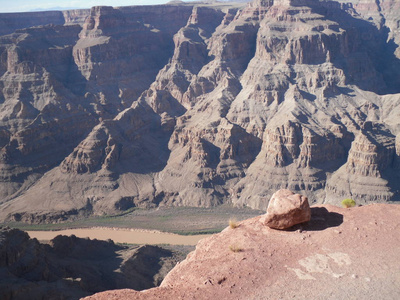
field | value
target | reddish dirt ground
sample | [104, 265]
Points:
[340, 254]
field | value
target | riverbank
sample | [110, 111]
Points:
[178, 220]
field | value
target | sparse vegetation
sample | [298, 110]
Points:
[235, 248]
[348, 203]
[233, 223]
[179, 220]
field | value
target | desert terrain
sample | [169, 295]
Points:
[143, 123]
[342, 253]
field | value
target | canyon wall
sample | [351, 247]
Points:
[68, 267]
[199, 105]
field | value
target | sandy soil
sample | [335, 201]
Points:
[130, 236]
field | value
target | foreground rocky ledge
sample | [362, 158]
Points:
[340, 254]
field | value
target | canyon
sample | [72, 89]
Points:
[68, 267]
[198, 104]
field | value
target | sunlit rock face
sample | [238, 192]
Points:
[201, 105]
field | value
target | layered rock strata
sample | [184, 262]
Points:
[55, 84]
[202, 104]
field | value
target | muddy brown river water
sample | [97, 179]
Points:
[130, 236]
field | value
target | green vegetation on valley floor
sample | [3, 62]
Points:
[180, 220]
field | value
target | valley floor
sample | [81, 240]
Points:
[177, 220]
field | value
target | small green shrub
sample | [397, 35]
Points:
[233, 224]
[348, 203]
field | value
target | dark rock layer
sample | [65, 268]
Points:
[71, 267]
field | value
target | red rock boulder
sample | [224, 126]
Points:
[286, 209]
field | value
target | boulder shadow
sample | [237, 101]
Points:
[322, 219]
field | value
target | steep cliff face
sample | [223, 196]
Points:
[75, 16]
[370, 168]
[120, 51]
[206, 149]
[40, 118]
[58, 82]
[305, 56]
[11, 21]
[223, 103]
[384, 14]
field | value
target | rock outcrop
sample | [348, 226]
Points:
[367, 169]
[286, 209]
[385, 16]
[198, 105]
[10, 22]
[41, 119]
[51, 98]
[71, 267]
[354, 248]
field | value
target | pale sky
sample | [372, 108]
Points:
[32, 5]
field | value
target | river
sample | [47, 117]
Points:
[130, 236]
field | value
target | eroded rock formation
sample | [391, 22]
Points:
[71, 267]
[199, 105]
